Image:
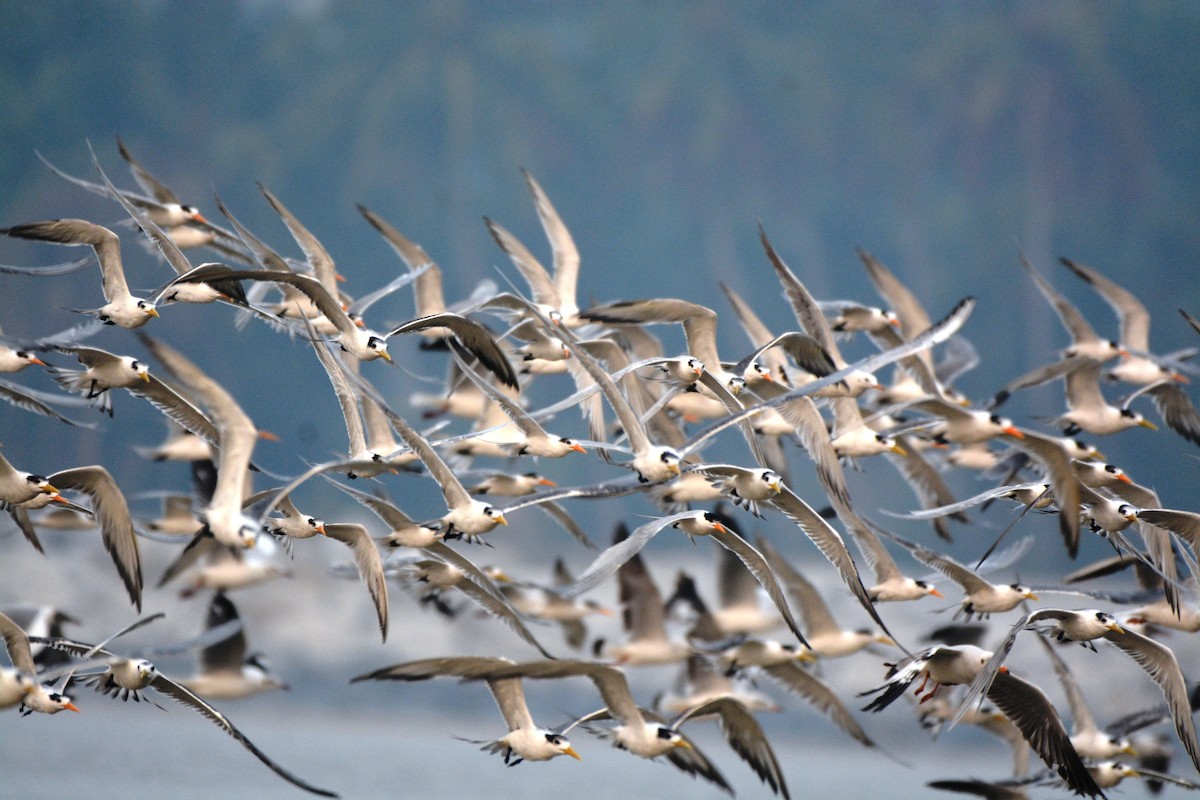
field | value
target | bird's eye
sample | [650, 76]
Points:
[1128, 412]
[141, 304]
[995, 419]
[665, 733]
[1016, 587]
[553, 738]
[374, 342]
[1109, 468]
[923, 584]
[312, 521]
[489, 511]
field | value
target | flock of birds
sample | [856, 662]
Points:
[792, 404]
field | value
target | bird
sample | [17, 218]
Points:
[1137, 364]
[1156, 659]
[226, 672]
[525, 740]
[223, 517]
[1021, 701]
[121, 308]
[20, 685]
[555, 296]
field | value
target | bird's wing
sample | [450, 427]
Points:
[17, 642]
[237, 433]
[177, 408]
[968, 580]
[1135, 319]
[228, 654]
[611, 559]
[913, 317]
[804, 305]
[116, 523]
[814, 611]
[187, 697]
[543, 288]
[346, 396]
[314, 252]
[27, 399]
[1160, 664]
[145, 179]
[566, 254]
[745, 736]
[1033, 714]
[761, 570]
[798, 681]
[474, 336]
[369, 564]
[499, 608]
[1075, 323]
[428, 288]
[509, 694]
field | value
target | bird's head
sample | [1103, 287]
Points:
[147, 308]
[560, 743]
[378, 345]
[929, 588]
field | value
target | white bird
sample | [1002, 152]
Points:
[226, 672]
[131, 676]
[1137, 364]
[121, 308]
[223, 516]
[1022, 702]
[20, 686]
[1087, 410]
[555, 297]
[525, 740]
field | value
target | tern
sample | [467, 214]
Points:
[1022, 702]
[131, 676]
[226, 672]
[121, 308]
[20, 686]
[525, 740]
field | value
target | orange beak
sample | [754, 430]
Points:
[935, 592]
[578, 448]
[71, 707]
[38, 361]
[547, 481]
[1125, 478]
[270, 437]
[1013, 431]
[1179, 377]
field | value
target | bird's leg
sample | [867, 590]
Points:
[924, 681]
[932, 692]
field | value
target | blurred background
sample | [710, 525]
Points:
[945, 138]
